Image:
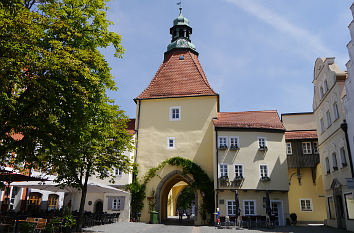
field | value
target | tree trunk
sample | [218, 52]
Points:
[82, 202]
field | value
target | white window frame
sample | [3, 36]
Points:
[288, 146]
[315, 148]
[311, 205]
[260, 170]
[329, 119]
[237, 141]
[168, 143]
[305, 149]
[244, 207]
[265, 141]
[335, 110]
[328, 166]
[242, 170]
[325, 84]
[323, 128]
[119, 173]
[179, 113]
[219, 142]
[227, 170]
[116, 206]
[334, 160]
[343, 159]
[233, 207]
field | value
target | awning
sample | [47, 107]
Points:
[54, 187]
[10, 177]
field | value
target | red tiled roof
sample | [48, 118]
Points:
[131, 126]
[252, 119]
[16, 136]
[301, 134]
[178, 78]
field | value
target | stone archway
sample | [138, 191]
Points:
[163, 188]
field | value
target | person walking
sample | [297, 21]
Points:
[180, 213]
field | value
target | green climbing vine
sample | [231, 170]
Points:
[201, 181]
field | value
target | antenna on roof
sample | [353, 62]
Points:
[180, 7]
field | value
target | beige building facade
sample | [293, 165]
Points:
[336, 165]
[251, 160]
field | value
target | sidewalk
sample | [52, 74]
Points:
[128, 227]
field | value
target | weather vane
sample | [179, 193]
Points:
[180, 7]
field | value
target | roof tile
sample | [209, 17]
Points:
[309, 134]
[178, 78]
[251, 119]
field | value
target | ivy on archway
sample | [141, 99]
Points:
[201, 181]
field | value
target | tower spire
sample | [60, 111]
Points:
[180, 7]
[180, 32]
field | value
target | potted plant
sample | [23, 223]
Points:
[293, 218]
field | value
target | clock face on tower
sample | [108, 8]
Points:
[182, 43]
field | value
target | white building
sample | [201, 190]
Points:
[328, 108]
[18, 198]
[349, 85]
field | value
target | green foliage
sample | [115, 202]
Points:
[201, 181]
[53, 82]
[186, 197]
[26, 227]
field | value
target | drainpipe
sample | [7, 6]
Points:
[137, 136]
[217, 170]
[344, 127]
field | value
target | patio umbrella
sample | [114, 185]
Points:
[268, 209]
[237, 204]
[54, 187]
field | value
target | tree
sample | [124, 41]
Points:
[53, 83]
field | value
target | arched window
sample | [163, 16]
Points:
[53, 202]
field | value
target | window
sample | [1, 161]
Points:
[34, 200]
[334, 160]
[234, 142]
[222, 142]
[117, 172]
[289, 150]
[329, 120]
[335, 110]
[238, 170]
[53, 202]
[349, 202]
[263, 169]
[321, 92]
[231, 207]
[116, 204]
[327, 165]
[249, 207]
[224, 170]
[322, 125]
[342, 157]
[306, 148]
[325, 86]
[175, 113]
[170, 143]
[306, 204]
[262, 142]
[315, 147]
[331, 208]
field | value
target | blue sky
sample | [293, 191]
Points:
[257, 54]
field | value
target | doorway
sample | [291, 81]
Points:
[278, 212]
[98, 207]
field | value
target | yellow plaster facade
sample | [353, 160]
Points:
[307, 190]
[193, 135]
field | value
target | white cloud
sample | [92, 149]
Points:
[306, 41]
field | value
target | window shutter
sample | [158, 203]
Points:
[122, 202]
[110, 199]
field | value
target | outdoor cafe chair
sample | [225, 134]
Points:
[41, 223]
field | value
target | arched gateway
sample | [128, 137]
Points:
[163, 189]
[174, 119]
